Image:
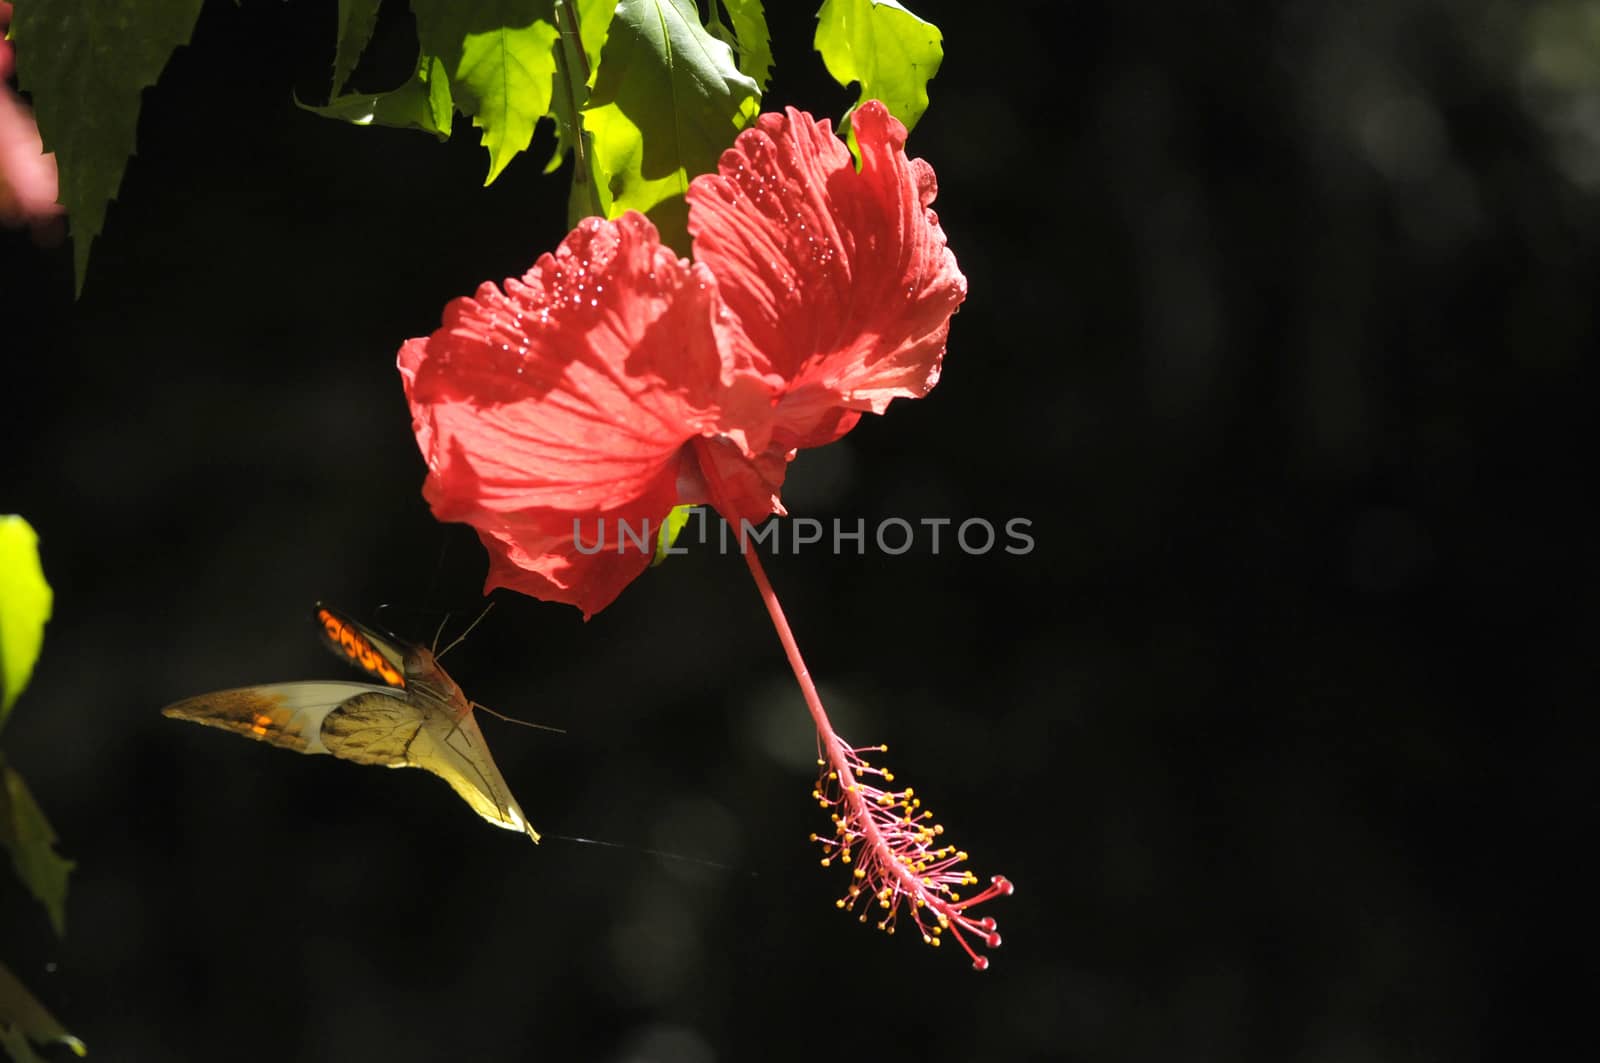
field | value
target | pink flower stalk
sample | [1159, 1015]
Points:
[885, 834]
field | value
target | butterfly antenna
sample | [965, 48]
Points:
[513, 719]
[650, 852]
[461, 636]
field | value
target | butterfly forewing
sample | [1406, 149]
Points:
[373, 653]
[290, 715]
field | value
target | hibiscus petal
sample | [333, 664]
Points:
[568, 396]
[532, 551]
[839, 281]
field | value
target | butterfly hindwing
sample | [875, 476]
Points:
[378, 728]
[375, 728]
[455, 751]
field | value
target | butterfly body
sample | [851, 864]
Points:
[419, 718]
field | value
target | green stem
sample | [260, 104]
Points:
[572, 71]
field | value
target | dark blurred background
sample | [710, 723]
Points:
[1277, 333]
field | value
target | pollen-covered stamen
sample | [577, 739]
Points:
[893, 847]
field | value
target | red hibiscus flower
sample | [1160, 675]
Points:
[555, 413]
[615, 381]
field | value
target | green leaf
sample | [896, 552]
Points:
[890, 51]
[357, 19]
[754, 40]
[671, 528]
[421, 103]
[501, 60]
[494, 61]
[86, 62]
[28, 835]
[25, 601]
[667, 101]
[22, 1017]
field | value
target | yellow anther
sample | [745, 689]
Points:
[826, 861]
[888, 776]
[839, 903]
[859, 873]
[962, 855]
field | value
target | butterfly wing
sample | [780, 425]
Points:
[427, 724]
[290, 715]
[378, 728]
[376, 654]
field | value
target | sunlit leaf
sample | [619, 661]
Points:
[667, 101]
[423, 103]
[500, 57]
[754, 40]
[23, 1018]
[594, 20]
[671, 528]
[890, 51]
[27, 835]
[25, 601]
[87, 63]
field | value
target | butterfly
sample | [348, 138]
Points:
[419, 718]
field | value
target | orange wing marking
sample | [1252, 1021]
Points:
[356, 647]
